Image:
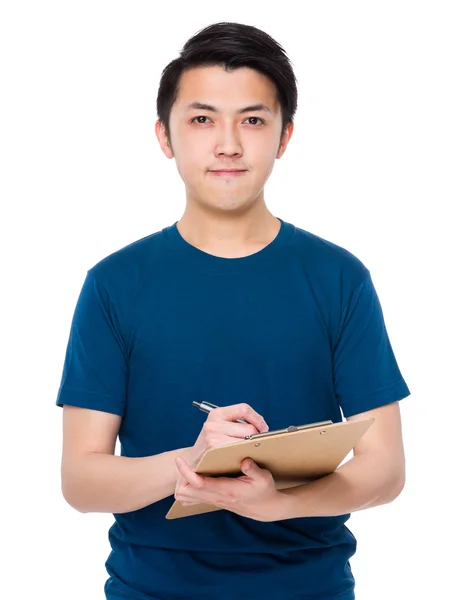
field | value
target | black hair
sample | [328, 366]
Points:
[231, 45]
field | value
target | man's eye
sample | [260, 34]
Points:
[248, 118]
[257, 118]
[199, 118]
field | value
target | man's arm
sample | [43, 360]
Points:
[94, 479]
[375, 475]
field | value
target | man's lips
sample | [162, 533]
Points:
[229, 172]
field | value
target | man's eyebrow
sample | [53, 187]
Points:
[240, 111]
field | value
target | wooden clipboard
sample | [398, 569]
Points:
[295, 455]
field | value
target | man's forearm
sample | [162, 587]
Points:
[118, 484]
[359, 483]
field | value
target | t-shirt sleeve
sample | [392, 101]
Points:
[365, 371]
[95, 370]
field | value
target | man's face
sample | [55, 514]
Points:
[204, 140]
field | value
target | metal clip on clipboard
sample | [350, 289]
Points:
[289, 429]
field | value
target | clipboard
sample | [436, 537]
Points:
[294, 456]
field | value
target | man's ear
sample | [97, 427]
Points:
[163, 140]
[285, 139]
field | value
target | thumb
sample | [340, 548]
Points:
[249, 466]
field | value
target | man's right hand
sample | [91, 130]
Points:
[220, 428]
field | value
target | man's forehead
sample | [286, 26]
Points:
[256, 107]
[213, 89]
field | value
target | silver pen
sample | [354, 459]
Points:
[207, 407]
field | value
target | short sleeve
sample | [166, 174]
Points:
[365, 371]
[95, 370]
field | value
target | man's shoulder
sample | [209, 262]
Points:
[126, 262]
[327, 258]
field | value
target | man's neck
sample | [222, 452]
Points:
[229, 238]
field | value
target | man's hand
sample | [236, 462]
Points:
[221, 428]
[252, 495]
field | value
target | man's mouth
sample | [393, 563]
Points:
[229, 172]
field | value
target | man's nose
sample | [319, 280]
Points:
[228, 142]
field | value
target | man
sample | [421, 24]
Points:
[232, 306]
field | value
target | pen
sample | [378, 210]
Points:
[207, 407]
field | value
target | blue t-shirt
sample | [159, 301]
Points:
[296, 330]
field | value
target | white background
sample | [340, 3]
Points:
[371, 167]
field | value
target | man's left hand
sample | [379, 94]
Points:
[252, 495]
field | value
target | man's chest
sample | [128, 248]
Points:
[267, 347]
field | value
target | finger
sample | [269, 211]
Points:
[230, 429]
[187, 503]
[221, 491]
[181, 485]
[198, 489]
[239, 411]
[195, 480]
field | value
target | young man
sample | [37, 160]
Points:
[232, 306]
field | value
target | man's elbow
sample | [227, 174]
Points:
[394, 487]
[70, 499]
